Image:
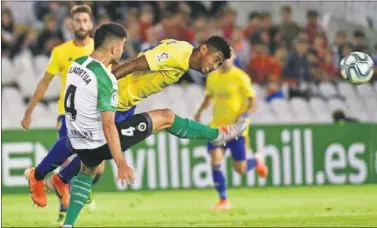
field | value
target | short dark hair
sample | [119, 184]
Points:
[106, 31]
[253, 15]
[81, 9]
[219, 44]
[312, 13]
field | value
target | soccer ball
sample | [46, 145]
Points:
[357, 68]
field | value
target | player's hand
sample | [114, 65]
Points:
[197, 116]
[126, 174]
[25, 123]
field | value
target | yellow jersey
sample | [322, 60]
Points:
[61, 59]
[168, 61]
[229, 92]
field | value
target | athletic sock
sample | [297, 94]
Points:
[57, 155]
[189, 129]
[79, 194]
[219, 181]
[71, 170]
[251, 163]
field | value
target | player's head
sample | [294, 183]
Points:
[213, 53]
[81, 21]
[110, 38]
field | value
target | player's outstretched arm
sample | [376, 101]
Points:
[134, 65]
[125, 173]
[203, 106]
[36, 98]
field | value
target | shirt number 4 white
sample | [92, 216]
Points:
[128, 132]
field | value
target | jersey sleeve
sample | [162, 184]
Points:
[107, 93]
[54, 65]
[246, 86]
[171, 54]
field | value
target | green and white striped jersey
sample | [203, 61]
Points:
[90, 89]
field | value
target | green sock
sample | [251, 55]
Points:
[189, 129]
[79, 194]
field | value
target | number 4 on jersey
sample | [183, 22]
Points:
[69, 102]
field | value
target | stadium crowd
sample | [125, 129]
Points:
[270, 53]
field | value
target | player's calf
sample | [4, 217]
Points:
[81, 187]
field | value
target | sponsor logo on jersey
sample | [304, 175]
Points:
[114, 99]
[162, 57]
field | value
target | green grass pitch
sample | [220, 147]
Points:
[322, 206]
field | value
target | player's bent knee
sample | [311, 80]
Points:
[168, 116]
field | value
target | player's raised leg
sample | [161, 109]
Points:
[189, 129]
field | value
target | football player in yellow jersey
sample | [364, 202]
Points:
[60, 61]
[162, 65]
[230, 89]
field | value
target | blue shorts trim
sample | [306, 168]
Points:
[237, 148]
[120, 116]
[62, 127]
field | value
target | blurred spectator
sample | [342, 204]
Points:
[296, 68]
[132, 15]
[266, 24]
[146, 19]
[23, 13]
[12, 39]
[50, 37]
[133, 45]
[359, 41]
[347, 49]
[152, 38]
[314, 63]
[182, 19]
[327, 66]
[252, 24]
[274, 71]
[288, 29]
[167, 27]
[67, 29]
[103, 19]
[8, 32]
[337, 48]
[257, 67]
[312, 27]
[320, 46]
[241, 46]
[229, 20]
